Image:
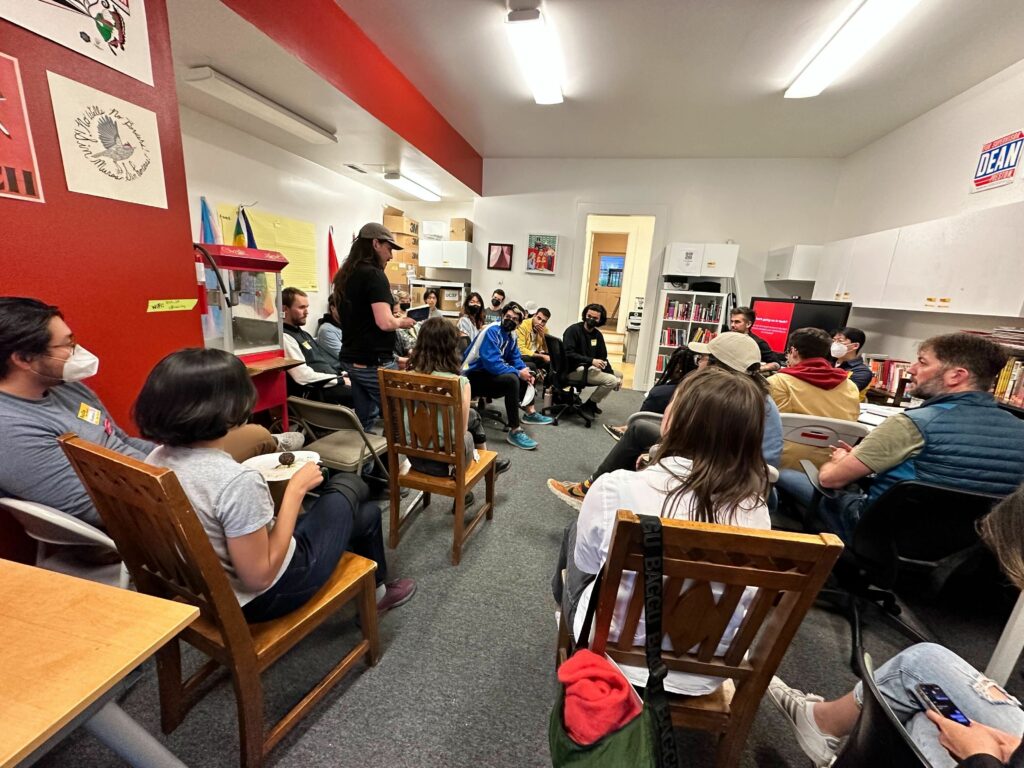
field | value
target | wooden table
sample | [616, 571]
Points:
[66, 643]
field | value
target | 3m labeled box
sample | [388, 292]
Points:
[400, 224]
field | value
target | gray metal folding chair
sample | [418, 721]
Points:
[341, 442]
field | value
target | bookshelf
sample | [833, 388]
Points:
[684, 317]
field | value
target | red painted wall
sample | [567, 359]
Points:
[101, 260]
[329, 42]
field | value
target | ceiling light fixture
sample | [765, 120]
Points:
[222, 87]
[413, 188]
[537, 52]
[871, 21]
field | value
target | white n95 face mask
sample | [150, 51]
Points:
[838, 349]
[81, 365]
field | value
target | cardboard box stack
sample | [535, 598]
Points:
[405, 263]
[461, 229]
[451, 299]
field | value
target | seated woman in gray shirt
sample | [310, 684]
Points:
[191, 401]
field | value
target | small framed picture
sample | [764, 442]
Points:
[499, 256]
[541, 252]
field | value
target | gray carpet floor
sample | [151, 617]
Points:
[467, 672]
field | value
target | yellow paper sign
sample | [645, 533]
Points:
[171, 305]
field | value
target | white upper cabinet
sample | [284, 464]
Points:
[701, 259]
[868, 268]
[828, 282]
[795, 262]
[966, 264]
[448, 254]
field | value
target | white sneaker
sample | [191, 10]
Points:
[796, 706]
[290, 441]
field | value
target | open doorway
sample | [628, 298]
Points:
[616, 260]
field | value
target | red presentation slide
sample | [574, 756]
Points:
[773, 321]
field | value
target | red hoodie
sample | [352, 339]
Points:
[818, 372]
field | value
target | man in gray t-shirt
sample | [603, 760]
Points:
[41, 399]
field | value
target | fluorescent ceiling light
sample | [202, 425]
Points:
[408, 185]
[237, 95]
[873, 20]
[537, 52]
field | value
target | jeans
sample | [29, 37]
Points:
[507, 385]
[638, 439]
[969, 689]
[839, 515]
[322, 535]
[365, 390]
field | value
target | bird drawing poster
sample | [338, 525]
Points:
[19, 170]
[110, 147]
[112, 32]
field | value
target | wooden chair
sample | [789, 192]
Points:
[786, 570]
[423, 418]
[169, 555]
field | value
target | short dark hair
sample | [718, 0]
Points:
[856, 335]
[499, 292]
[24, 328]
[599, 308]
[810, 342]
[436, 293]
[982, 357]
[194, 395]
[515, 308]
[748, 314]
[288, 296]
[544, 311]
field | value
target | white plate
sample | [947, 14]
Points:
[269, 464]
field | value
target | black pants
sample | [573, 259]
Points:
[638, 439]
[507, 385]
[475, 436]
[538, 365]
[339, 394]
[335, 523]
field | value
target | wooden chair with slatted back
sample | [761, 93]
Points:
[169, 555]
[423, 418]
[786, 570]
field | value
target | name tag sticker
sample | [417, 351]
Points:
[593, 342]
[307, 345]
[87, 413]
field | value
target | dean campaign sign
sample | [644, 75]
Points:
[997, 163]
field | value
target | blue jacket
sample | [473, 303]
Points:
[493, 351]
[969, 443]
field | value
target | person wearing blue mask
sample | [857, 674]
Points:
[42, 396]
[495, 369]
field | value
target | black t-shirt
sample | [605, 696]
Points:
[362, 341]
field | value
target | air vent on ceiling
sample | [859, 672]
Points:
[354, 167]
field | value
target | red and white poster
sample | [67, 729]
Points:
[997, 163]
[773, 321]
[19, 170]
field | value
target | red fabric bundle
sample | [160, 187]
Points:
[598, 697]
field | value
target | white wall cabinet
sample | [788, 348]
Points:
[966, 264]
[701, 259]
[446, 254]
[855, 269]
[795, 262]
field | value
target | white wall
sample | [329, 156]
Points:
[923, 171]
[760, 204]
[228, 166]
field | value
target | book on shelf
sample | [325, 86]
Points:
[677, 310]
[702, 336]
[887, 372]
[1010, 384]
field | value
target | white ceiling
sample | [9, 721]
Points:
[686, 78]
[207, 33]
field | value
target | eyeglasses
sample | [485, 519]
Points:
[72, 345]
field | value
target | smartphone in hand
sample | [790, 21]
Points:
[934, 698]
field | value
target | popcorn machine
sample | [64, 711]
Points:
[240, 300]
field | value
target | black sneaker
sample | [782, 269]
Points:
[501, 465]
[592, 407]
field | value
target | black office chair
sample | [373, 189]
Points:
[878, 739]
[914, 529]
[565, 400]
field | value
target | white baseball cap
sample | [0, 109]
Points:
[736, 350]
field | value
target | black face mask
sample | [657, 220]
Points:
[495, 302]
[475, 309]
[404, 307]
[508, 325]
[591, 323]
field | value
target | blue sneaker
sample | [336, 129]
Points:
[520, 439]
[536, 418]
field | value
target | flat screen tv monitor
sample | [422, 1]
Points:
[777, 317]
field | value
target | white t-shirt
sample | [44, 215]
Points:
[230, 500]
[643, 493]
